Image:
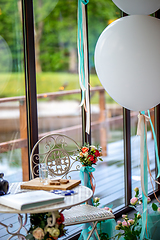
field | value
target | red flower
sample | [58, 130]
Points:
[97, 153]
[62, 217]
[91, 158]
[85, 149]
[58, 220]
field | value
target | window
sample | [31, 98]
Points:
[13, 124]
[57, 68]
[50, 95]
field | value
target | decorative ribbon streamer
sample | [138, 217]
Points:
[87, 181]
[91, 182]
[148, 118]
[141, 130]
[144, 161]
[155, 143]
[83, 62]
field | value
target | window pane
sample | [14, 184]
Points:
[12, 104]
[106, 116]
[56, 66]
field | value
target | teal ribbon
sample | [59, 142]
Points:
[87, 170]
[155, 143]
[144, 198]
[80, 48]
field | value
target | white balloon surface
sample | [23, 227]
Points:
[138, 6]
[127, 61]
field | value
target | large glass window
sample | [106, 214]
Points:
[57, 68]
[106, 115]
[13, 151]
[59, 96]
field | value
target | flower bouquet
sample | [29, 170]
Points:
[89, 155]
[41, 230]
[137, 204]
[130, 229]
[153, 216]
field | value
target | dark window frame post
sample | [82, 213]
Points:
[86, 138]
[30, 73]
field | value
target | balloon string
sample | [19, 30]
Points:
[91, 182]
[142, 131]
[148, 118]
[151, 177]
[156, 146]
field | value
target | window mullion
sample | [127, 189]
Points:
[30, 72]
[127, 155]
[86, 138]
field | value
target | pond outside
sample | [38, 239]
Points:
[58, 115]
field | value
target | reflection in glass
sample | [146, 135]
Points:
[106, 116]
[56, 66]
[13, 151]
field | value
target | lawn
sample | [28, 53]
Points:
[14, 84]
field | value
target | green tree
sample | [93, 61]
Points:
[10, 30]
[58, 47]
[55, 31]
[100, 13]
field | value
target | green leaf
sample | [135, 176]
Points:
[30, 237]
[154, 207]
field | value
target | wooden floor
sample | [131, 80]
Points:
[109, 179]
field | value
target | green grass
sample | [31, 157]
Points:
[13, 84]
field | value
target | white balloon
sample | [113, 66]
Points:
[127, 61]
[138, 6]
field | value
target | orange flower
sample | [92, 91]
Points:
[85, 149]
[81, 154]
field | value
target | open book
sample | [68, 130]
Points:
[30, 200]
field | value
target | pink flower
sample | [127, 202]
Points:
[96, 199]
[124, 224]
[128, 223]
[134, 200]
[38, 233]
[106, 208]
[158, 210]
[119, 222]
[148, 200]
[140, 202]
[124, 216]
[131, 221]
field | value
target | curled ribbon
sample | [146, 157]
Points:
[81, 49]
[83, 61]
[144, 162]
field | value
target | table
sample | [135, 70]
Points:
[83, 195]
